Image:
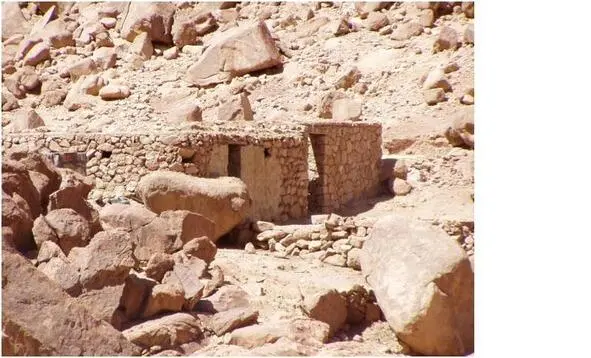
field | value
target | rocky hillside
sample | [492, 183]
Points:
[390, 275]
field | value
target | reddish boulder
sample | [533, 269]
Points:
[236, 52]
[106, 261]
[154, 18]
[38, 318]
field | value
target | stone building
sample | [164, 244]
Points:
[290, 170]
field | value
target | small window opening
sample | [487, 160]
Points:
[267, 153]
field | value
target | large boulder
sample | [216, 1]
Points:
[17, 183]
[153, 18]
[169, 232]
[166, 332]
[17, 225]
[461, 131]
[44, 176]
[329, 307]
[104, 304]
[236, 52]
[38, 318]
[63, 226]
[190, 24]
[125, 217]
[300, 330]
[424, 284]
[71, 197]
[153, 234]
[13, 21]
[64, 274]
[106, 261]
[223, 200]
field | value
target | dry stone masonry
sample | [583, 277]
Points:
[332, 239]
[272, 160]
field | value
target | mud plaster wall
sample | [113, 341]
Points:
[278, 182]
[347, 158]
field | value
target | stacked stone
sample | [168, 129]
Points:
[293, 155]
[348, 158]
[332, 239]
[118, 161]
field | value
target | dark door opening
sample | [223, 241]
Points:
[234, 160]
[315, 172]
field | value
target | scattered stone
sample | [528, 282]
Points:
[326, 103]
[399, 187]
[348, 79]
[427, 18]
[346, 109]
[335, 260]
[27, 120]
[434, 96]
[92, 84]
[13, 21]
[216, 281]
[365, 8]
[249, 248]
[353, 258]
[468, 97]
[104, 304]
[142, 46]
[202, 248]
[407, 31]
[338, 27]
[37, 54]
[114, 92]
[236, 108]
[156, 19]
[171, 53]
[271, 235]
[436, 79]
[190, 24]
[468, 9]
[104, 57]
[461, 132]
[422, 278]
[469, 34]
[227, 321]
[327, 306]
[185, 111]
[125, 217]
[82, 68]
[108, 22]
[447, 40]
[376, 20]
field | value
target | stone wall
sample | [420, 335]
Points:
[273, 162]
[347, 156]
[274, 168]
